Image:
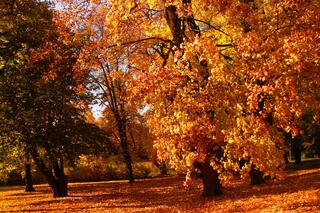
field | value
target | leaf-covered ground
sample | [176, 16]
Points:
[300, 192]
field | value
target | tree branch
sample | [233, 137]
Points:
[211, 26]
[140, 40]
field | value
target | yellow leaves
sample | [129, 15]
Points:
[292, 59]
[176, 3]
[158, 29]
[154, 4]
[191, 158]
[254, 141]
[264, 72]
[294, 130]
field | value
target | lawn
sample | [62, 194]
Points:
[300, 192]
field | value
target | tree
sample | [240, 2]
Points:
[221, 79]
[109, 72]
[275, 68]
[112, 83]
[18, 37]
[28, 178]
[44, 99]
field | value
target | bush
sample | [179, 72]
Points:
[14, 178]
[93, 168]
[145, 170]
[90, 168]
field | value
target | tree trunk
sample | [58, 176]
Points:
[297, 155]
[60, 184]
[28, 178]
[163, 168]
[286, 157]
[125, 149]
[296, 146]
[210, 177]
[256, 176]
[60, 187]
[128, 161]
[56, 181]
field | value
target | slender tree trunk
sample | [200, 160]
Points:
[125, 149]
[296, 148]
[286, 157]
[28, 178]
[160, 164]
[297, 155]
[256, 176]
[163, 168]
[210, 177]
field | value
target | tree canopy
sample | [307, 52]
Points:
[220, 79]
[43, 99]
[219, 82]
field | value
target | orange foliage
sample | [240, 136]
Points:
[242, 69]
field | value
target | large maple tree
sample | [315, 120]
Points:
[221, 79]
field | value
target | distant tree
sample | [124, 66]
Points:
[109, 80]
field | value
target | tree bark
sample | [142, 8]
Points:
[256, 176]
[296, 148]
[28, 178]
[57, 180]
[163, 168]
[174, 24]
[125, 149]
[211, 181]
[60, 185]
[286, 157]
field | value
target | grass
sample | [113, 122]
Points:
[305, 159]
[298, 193]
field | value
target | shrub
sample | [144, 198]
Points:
[94, 168]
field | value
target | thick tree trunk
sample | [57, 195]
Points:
[210, 177]
[125, 149]
[28, 178]
[60, 184]
[256, 176]
[60, 187]
[56, 181]
[174, 24]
